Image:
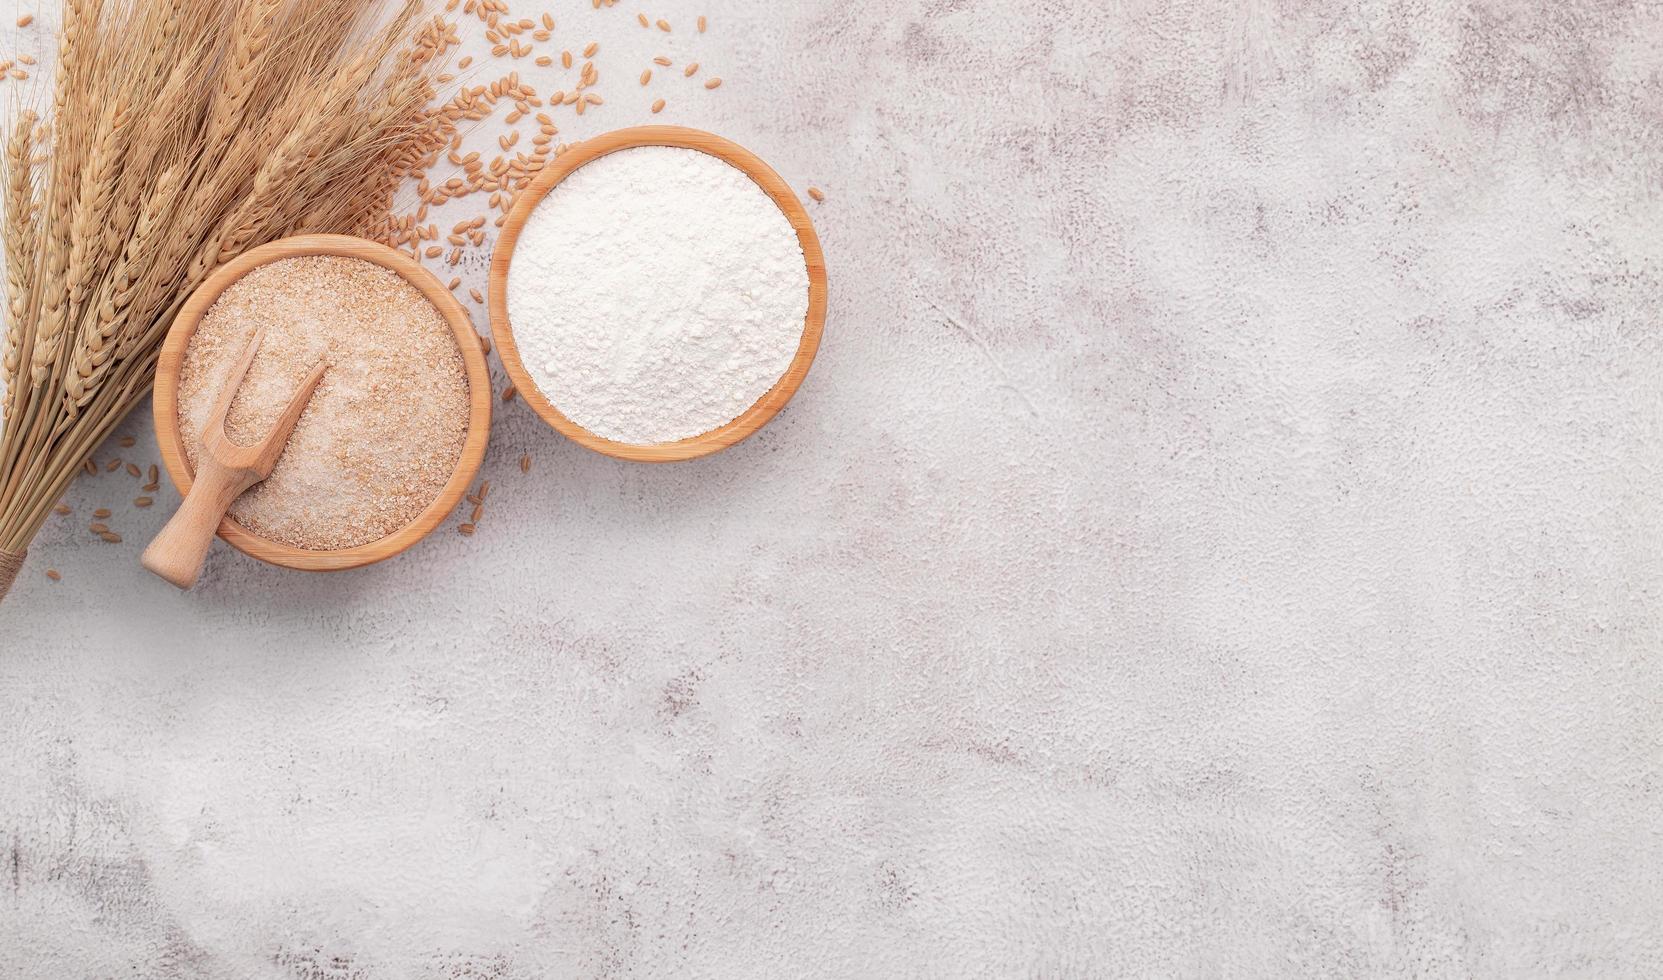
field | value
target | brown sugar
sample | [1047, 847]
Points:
[384, 431]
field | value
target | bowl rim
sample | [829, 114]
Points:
[764, 408]
[165, 401]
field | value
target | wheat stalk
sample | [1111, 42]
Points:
[183, 132]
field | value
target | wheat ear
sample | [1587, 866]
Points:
[22, 244]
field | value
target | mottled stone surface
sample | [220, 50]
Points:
[1222, 536]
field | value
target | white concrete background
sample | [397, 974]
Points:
[1222, 536]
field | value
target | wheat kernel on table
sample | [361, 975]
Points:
[658, 106]
[664, 25]
[142, 501]
[508, 393]
[25, 20]
[61, 509]
[52, 573]
[101, 513]
[126, 442]
[701, 23]
[713, 83]
[817, 193]
[525, 463]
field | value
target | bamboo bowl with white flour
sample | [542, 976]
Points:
[395, 431]
[657, 294]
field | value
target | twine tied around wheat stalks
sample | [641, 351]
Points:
[10, 564]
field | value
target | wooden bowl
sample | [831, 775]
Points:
[763, 408]
[165, 405]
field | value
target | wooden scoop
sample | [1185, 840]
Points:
[223, 472]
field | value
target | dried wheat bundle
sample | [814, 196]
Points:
[180, 133]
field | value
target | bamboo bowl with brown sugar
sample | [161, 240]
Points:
[764, 408]
[170, 438]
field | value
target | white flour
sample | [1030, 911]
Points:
[656, 294]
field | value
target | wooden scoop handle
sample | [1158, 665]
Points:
[177, 553]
